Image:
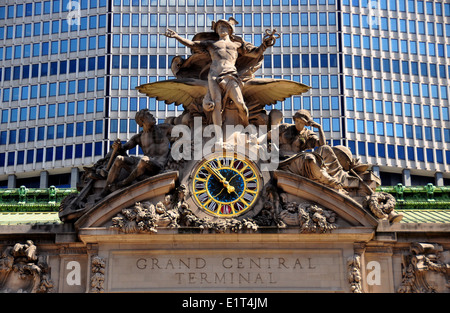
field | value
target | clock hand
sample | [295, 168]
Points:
[214, 172]
[223, 180]
[233, 177]
[218, 193]
[220, 177]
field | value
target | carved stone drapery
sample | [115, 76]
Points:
[423, 258]
[22, 270]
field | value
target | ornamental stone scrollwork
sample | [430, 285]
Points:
[270, 213]
[22, 270]
[174, 212]
[310, 217]
[145, 217]
[424, 258]
[354, 273]
[98, 266]
[221, 225]
[382, 205]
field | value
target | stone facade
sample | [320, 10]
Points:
[344, 248]
[346, 261]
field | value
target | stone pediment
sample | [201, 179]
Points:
[296, 190]
[344, 206]
[111, 205]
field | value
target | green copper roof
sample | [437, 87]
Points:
[23, 205]
[425, 216]
[24, 218]
[421, 204]
[420, 197]
[33, 200]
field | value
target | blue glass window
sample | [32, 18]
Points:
[60, 131]
[401, 152]
[69, 130]
[296, 60]
[430, 155]
[418, 132]
[348, 61]
[31, 134]
[391, 151]
[410, 152]
[333, 60]
[371, 149]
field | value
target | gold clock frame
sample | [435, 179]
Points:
[247, 164]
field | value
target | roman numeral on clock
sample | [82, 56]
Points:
[252, 184]
[239, 206]
[248, 197]
[199, 185]
[212, 206]
[203, 197]
[226, 162]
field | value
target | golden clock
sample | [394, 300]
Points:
[226, 185]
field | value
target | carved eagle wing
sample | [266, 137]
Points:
[259, 92]
[179, 91]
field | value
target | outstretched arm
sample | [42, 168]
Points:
[268, 41]
[256, 52]
[188, 43]
[130, 144]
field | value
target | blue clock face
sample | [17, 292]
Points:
[226, 186]
[220, 193]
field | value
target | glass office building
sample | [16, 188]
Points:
[379, 72]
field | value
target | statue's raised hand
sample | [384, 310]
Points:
[117, 144]
[270, 37]
[170, 33]
[315, 124]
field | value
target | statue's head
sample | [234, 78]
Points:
[144, 117]
[303, 115]
[217, 26]
[302, 118]
[275, 116]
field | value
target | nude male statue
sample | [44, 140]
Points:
[154, 141]
[223, 78]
